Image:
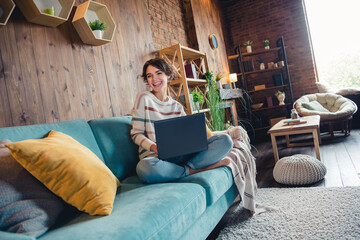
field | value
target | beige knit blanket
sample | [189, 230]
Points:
[243, 167]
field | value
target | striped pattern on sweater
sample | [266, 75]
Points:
[148, 109]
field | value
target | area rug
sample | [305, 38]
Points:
[300, 213]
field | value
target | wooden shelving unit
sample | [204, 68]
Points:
[269, 88]
[178, 56]
[249, 79]
[33, 11]
[6, 8]
[90, 11]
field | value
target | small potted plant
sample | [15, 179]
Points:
[281, 97]
[218, 81]
[248, 44]
[98, 28]
[261, 61]
[266, 44]
[198, 99]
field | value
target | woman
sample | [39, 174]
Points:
[157, 105]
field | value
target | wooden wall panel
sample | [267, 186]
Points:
[49, 75]
[207, 21]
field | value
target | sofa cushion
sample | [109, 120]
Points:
[70, 170]
[78, 129]
[154, 211]
[215, 182]
[26, 205]
[15, 236]
[119, 151]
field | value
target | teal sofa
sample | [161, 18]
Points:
[186, 209]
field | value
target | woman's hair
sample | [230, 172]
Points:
[160, 64]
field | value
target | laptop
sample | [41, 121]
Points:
[181, 135]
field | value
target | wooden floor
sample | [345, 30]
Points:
[341, 156]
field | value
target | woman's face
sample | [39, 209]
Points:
[156, 79]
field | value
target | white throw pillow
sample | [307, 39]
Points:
[348, 91]
[323, 87]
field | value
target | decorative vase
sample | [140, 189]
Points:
[248, 49]
[281, 98]
[262, 66]
[267, 47]
[98, 33]
[281, 64]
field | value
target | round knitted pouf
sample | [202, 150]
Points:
[299, 169]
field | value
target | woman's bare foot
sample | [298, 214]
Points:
[220, 163]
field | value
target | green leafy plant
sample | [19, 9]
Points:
[97, 25]
[248, 43]
[217, 112]
[218, 77]
[266, 43]
[198, 99]
[278, 93]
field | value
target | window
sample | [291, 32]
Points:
[335, 34]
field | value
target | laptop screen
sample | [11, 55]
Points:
[181, 135]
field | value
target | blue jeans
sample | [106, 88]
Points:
[154, 170]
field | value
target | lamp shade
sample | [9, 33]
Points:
[233, 77]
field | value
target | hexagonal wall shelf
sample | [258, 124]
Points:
[90, 11]
[6, 8]
[33, 11]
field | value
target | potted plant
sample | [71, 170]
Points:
[248, 44]
[50, 11]
[266, 44]
[261, 61]
[218, 81]
[281, 97]
[98, 28]
[213, 101]
[198, 99]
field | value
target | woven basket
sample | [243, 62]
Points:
[299, 169]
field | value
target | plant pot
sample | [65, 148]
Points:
[281, 98]
[98, 33]
[267, 47]
[218, 85]
[50, 11]
[262, 66]
[248, 49]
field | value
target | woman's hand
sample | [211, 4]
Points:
[153, 148]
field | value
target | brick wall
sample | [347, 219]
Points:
[167, 22]
[258, 20]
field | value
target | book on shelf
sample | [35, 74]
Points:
[294, 121]
[248, 66]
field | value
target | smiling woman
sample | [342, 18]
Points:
[335, 41]
[158, 105]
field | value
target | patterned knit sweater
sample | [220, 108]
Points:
[148, 109]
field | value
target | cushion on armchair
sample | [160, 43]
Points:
[323, 87]
[27, 206]
[337, 106]
[70, 170]
[314, 105]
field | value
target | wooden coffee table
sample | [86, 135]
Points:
[281, 129]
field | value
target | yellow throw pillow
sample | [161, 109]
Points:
[70, 170]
